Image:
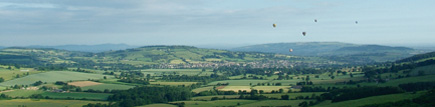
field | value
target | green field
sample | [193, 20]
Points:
[2, 88]
[240, 82]
[45, 103]
[190, 72]
[197, 90]
[292, 95]
[173, 83]
[271, 88]
[158, 105]
[7, 74]
[273, 103]
[396, 82]
[27, 93]
[93, 96]
[217, 103]
[219, 96]
[430, 69]
[22, 93]
[51, 77]
[108, 86]
[236, 88]
[370, 100]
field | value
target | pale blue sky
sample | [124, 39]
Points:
[215, 22]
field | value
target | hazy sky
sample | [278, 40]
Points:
[215, 22]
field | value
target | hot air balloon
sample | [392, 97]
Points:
[315, 20]
[356, 22]
[304, 33]
[274, 25]
[290, 50]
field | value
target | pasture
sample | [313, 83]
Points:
[22, 93]
[46, 103]
[27, 93]
[197, 90]
[77, 95]
[208, 98]
[102, 87]
[236, 88]
[7, 74]
[84, 83]
[396, 82]
[370, 100]
[271, 88]
[217, 103]
[173, 83]
[2, 88]
[240, 82]
[189, 72]
[292, 95]
[158, 105]
[51, 77]
[430, 69]
[274, 103]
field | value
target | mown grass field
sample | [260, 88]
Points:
[51, 77]
[370, 100]
[45, 103]
[102, 87]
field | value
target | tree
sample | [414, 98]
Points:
[421, 73]
[105, 77]
[303, 104]
[1, 79]
[37, 83]
[285, 97]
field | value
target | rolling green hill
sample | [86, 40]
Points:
[299, 48]
[337, 51]
[181, 55]
[142, 57]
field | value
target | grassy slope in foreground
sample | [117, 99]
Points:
[370, 100]
[52, 76]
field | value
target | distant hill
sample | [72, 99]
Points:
[38, 56]
[181, 55]
[334, 50]
[147, 56]
[299, 48]
[419, 57]
[89, 48]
